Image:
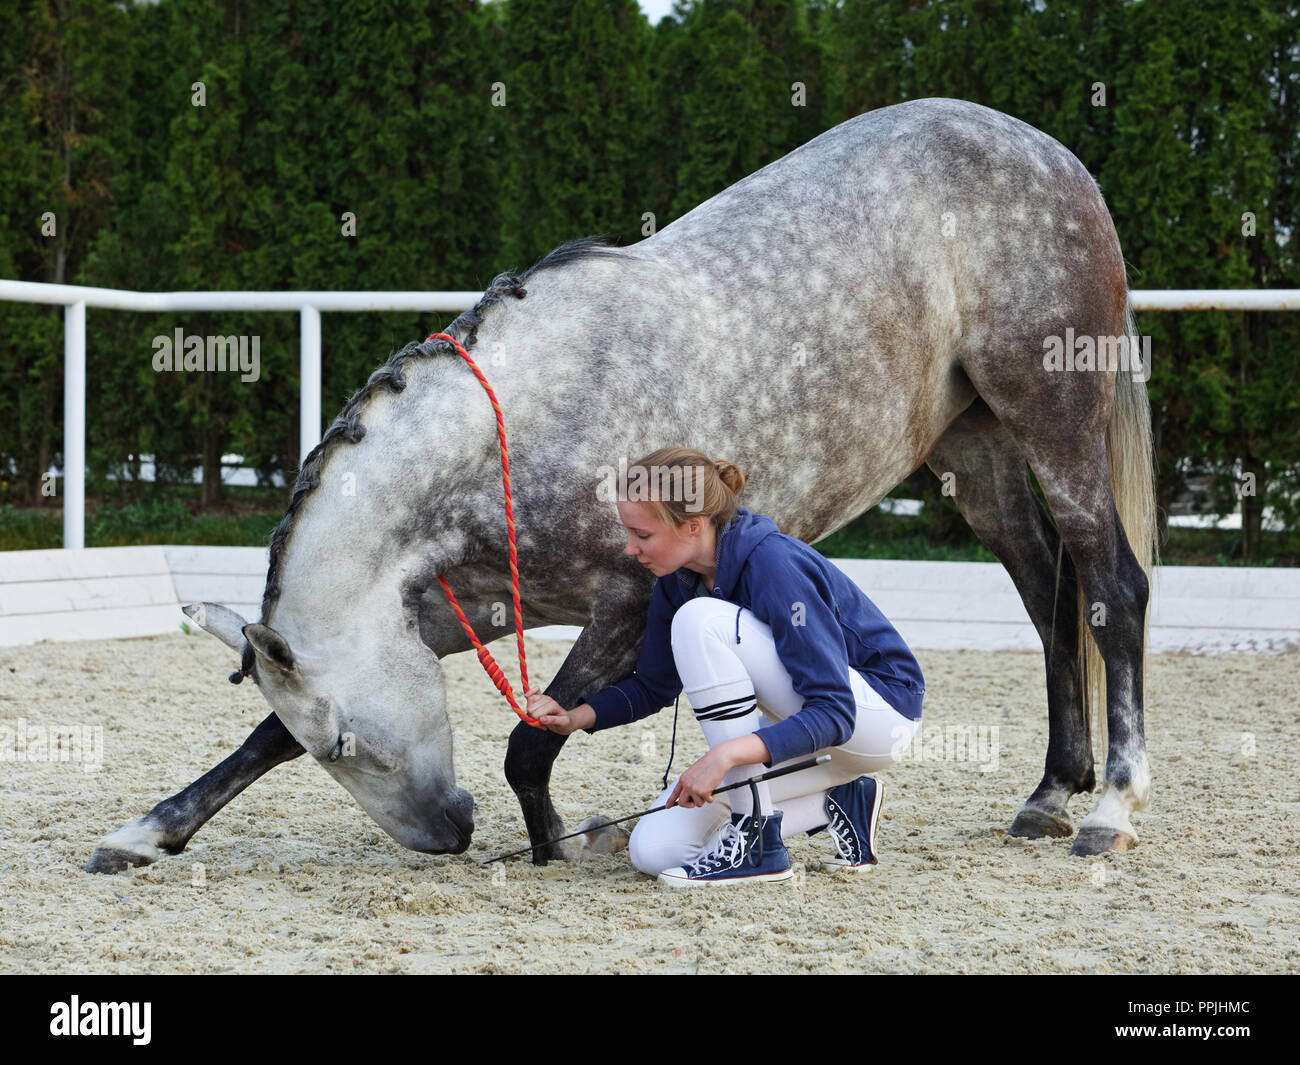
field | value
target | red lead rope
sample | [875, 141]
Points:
[484, 655]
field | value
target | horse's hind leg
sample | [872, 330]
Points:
[1062, 429]
[1115, 590]
[992, 490]
[168, 826]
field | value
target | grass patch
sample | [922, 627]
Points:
[169, 514]
[891, 536]
[1222, 547]
[880, 535]
[157, 522]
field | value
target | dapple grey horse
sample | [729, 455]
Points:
[892, 293]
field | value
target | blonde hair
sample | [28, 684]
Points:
[712, 485]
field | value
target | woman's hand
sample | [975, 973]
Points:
[695, 786]
[554, 718]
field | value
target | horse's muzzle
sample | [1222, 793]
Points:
[460, 815]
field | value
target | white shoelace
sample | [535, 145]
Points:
[728, 854]
[842, 833]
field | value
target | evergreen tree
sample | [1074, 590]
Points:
[364, 147]
[60, 108]
[573, 79]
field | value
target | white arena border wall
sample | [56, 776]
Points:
[121, 592]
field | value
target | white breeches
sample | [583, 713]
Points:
[736, 689]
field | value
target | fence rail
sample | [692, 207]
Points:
[308, 305]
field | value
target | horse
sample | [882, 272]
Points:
[890, 294]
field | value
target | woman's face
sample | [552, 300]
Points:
[659, 546]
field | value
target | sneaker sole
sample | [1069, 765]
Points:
[831, 865]
[762, 878]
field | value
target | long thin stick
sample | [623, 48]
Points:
[771, 774]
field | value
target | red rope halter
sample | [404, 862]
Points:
[485, 656]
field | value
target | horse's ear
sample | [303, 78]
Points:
[219, 620]
[271, 648]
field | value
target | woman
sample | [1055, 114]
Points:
[781, 656]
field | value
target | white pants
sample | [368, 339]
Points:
[748, 689]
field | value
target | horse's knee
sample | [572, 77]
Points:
[530, 753]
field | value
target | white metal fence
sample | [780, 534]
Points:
[308, 305]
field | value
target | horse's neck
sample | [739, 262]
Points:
[364, 545]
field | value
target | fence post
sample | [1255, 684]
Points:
[309, 388]
[74, 426]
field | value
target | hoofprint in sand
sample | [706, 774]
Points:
[293, 877]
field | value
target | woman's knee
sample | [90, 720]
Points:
[652, 853]
[648, 854]
[654, 847]
[694, 617]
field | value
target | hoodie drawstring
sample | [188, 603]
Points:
[672, 749]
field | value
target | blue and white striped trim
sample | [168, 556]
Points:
[728, 709]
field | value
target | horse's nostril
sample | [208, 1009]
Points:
[461, 817]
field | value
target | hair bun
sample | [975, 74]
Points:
[731, 475]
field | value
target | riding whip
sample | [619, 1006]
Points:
[771, 774]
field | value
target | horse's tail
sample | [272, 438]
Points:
[1131, 456]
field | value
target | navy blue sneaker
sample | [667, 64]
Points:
[744, 854]
[854, 810]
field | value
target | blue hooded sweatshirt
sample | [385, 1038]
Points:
[821, 622]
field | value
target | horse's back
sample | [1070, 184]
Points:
[906, 241]
[896, 249]
[876, 168]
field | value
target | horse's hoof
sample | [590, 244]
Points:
[139, 843]
[112, 860]
[1035, 823]
[599, 837]
[1102, 840]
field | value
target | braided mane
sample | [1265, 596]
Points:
[391, 376]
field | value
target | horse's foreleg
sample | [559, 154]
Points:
[529, 757]
[604, 653]
[167, 828]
